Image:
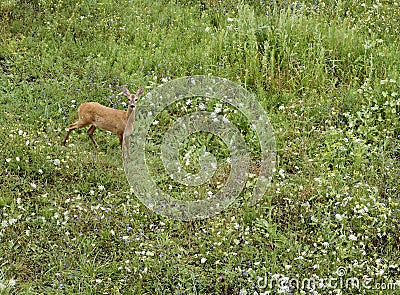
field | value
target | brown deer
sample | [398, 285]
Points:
[97, 115]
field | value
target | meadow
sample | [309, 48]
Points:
[325, 72]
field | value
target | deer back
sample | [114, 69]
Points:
[103, 117]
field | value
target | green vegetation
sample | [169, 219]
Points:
[326, 72]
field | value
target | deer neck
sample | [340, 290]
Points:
[130, 111]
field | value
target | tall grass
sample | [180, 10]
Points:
[327, 73]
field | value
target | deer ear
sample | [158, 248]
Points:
[125, 91]
[140, 91]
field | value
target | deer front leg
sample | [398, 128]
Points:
[126, 145]
[121, 139]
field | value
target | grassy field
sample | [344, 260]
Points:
[327, 74]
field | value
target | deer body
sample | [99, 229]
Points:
[96, 115]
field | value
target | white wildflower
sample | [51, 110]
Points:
[339, 217]
[11, 283]
[202, 106]
[352, 238]
[225, 120]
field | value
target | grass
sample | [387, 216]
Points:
[326, 72]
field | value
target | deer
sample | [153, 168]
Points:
[96, 115]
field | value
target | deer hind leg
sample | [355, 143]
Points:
[90, 133]
[70, 128]
[66, 137]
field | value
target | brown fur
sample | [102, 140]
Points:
[96, 115]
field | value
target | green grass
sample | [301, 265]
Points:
[326, 72]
